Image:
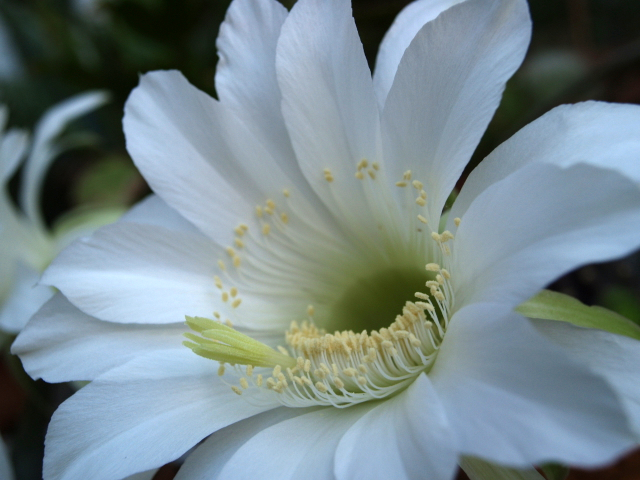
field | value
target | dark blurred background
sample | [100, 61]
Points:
[52, 49]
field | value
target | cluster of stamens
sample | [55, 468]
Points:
[342, 368]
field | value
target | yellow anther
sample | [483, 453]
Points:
[417, 184]
[236, 390]
[401, 184]
[422, 219]
[283, 350]
[328, 176]
[239, 243]
[421, 201]
[457, 221]
[230, 251]
[447, 235]
[359, 175]
[422, 296]
[271, 204]
[350, 372]
[258, 211]
[238, 231]
[259, 380]
[221, 370]
[433, 284]
[307, 365]
[221, 265]
[236, 261]
[286, 192]
[244, 227]
[277, 370]
[249, 370]
[364, 163]
[362, 381]
[228, 323]
[217, 315]
[440, 279]
[268, 210]
[372, 174]
[407, 175]
[338, 383]
[322, 387]
[445, 274]
[311, 310]
[432, 267]
[217, 281]
[423, 194]
[363, 369]
[236, 303]
[233, 291]
[375, 165]
[243, 383]
[284, 217]
[439, 295]
[225, 296]
[266, 228]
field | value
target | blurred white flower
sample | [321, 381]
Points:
[311, 192]
[28, 246]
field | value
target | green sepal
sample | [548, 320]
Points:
[477, 469]
[548, 305]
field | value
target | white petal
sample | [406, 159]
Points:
[6, 470]
[329, 105]
[404, 437]
[139, 416]
[132, 273]
[57, 342]
[299, 448]
[207, 461]
[174, 135]
[614, 357]
[602, 134]
[13, 146]
[246, 75]
[43, 149]
[447, 87]
[539, 223]
[154, 211]
[24, 300]
[404, 28]
[514, 398]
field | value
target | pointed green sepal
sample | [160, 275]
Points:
[548, 305]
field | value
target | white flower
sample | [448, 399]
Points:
[28, 246]
[309, 192]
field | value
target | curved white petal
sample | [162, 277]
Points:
[139, 416]
[132, 273]
[207, 461]
[174, 136]
[329, 105]
[606, 135]
[24, 300]
[58, 340]
[13, 146]
[404, 437]
[514, 398]
[540, 222]
[43, 149]
[404, 28]
[447, 87]
[309, 441]
[6, 470]
[152, 210]
[615, 358]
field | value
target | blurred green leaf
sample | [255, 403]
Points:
[548, 305]
[555, 471]
[477, 469]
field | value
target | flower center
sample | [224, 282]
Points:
[352, 286]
